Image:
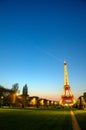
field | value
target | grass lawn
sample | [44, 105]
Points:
[35, 119]
[81, 118]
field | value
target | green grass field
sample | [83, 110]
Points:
[40, 119]
[81, 118]
[35, 119]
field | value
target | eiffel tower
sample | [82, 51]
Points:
[67, 98]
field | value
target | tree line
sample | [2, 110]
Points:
[12, 98]
[9, 97]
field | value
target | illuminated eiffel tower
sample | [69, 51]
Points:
[67, 98]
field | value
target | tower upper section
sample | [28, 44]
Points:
[66, 82]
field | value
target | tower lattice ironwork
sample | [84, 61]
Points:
[67, 97]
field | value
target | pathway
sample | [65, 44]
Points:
[74, 122]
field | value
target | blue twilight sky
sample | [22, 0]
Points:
[36, 36]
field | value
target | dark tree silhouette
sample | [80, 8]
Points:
[25, 90]
[25, 96]
[85, 96]
[13, 96]
[15, 87]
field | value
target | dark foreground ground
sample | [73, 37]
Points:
[39, 119]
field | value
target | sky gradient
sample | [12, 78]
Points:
[35, 38]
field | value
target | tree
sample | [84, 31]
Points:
[4, 95]
[25, 96]
[15, 87]
[85, 96]
[25, 90]
[13, 95]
